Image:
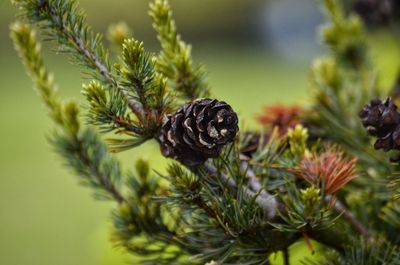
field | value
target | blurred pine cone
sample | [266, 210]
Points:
[377, 12]
[197, 131]
[382, 120]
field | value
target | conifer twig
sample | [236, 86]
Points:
[338, 206]
[83, 149]
[103, 179]
[351, 219]
[65, 24]
[175, 60]
[256, 186]
[268, 204]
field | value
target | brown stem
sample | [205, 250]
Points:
[352, 220]
[268, 204]
[127, 125]
[256, 186]
[203, 205]
[286, 259]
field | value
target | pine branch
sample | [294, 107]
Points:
[83, 149]
[344, 35]
[107, 112]
[351, 219]
[339, 207]
[267, 203]
[256, 186]
[141, 81]
[343, 83]
[61, 21]
[225, 224]
[29, 50]
[270, 204]
[87, 155]
[175, 60]
[224, 212]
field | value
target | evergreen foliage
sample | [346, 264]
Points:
[312, 175]
[175, 59]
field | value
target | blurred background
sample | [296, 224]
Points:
[256, 52]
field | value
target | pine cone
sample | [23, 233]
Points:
[381, 119]
[375, 12]
[198, 131]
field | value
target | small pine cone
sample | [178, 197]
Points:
[197, 131]
[382, 120]
[375, 12]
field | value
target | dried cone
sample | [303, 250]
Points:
[376, 12]
[382, 120]
[198, 131]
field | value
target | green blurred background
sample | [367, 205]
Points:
[257, 53]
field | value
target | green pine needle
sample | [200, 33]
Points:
[175, 60]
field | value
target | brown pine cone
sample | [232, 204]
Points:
[382, 120]
[375, 12]
[197, 131]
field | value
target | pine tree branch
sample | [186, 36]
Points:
[256, 186]
[83, 149]
[338, 207]
[267, 203]
[29, 50]
[345, 35]
[203, 205]
[175, 60]
[107, 109]
[63, 23]
[96, 171]
[357, 226]
[322, 236]
[140, 79]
